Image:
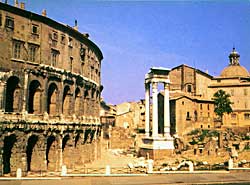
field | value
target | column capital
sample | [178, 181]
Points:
[166, 85]
[155, 85]
[147, 85]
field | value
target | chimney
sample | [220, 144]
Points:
[16, 3]
[76, 27]
[86, 35]
[22, 5]
[44, 13]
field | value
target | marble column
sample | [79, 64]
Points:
[166, 111]
[147, 108]
[155, 109]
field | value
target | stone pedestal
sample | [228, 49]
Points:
[157, 148]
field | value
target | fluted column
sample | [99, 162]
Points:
[147, 108]
[155, 109]
[166, 111]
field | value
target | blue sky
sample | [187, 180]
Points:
[136, 35]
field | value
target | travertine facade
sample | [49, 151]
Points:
[49, 93]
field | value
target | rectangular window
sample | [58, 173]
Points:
[34, 29]
[63, 39]
[71, 63]
[245, 92]
[54, 58]
[32, 53]
[247, 116]
[201, 106]
[55, 36]
[233, 116]
[9, 22]
[232, 92]
[208, 107]
[70, 42]
[17, 46]
[188, 116]
[189, 88]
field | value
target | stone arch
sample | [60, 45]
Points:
[34, 104]
[9, 142]
[67, 95]
[64, 141]
[12, 94]
[77, 140]
[68, 151]
[93, 92]
[86, 101]
[52, 99]
[30, 149]
[52, 153]
[77, 106]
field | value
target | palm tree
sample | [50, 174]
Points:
[222, 103]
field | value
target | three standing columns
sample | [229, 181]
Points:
[155, 110]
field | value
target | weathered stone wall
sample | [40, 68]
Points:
[47, 148]
[49, 94]
[121, 138]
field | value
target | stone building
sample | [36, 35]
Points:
[191, 97]
[235, 80]
[50, 90]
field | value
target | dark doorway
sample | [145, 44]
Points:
[9, 142]
[29, 150]
[12, 94]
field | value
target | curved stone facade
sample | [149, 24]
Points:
[49, 94]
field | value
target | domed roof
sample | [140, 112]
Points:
[234, 69]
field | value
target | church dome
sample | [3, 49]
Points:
[234, 69]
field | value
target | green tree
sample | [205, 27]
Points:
[222, 103]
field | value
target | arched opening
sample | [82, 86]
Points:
[34, 98]
[12, 95]
[29, 150]
[85, 102]
[77, 102]
[9, 142]
[66, 100]
[51, 153]
[52, 99]
[189, 88]
[64, 142]
[68, 151]
[77, 139]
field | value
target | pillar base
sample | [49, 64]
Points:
[157, 148]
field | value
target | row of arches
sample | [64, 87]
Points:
[54, 100]
[48, 153]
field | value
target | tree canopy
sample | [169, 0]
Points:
[222, 103]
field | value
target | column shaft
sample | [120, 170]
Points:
[155, 109]
[2, 95]
[25, 91]
[147, 109]
[166, 111]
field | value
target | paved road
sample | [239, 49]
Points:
[230, 178]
